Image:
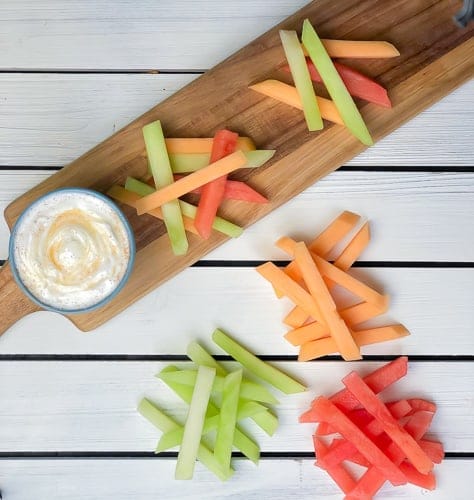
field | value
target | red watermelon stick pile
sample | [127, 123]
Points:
[387, 439]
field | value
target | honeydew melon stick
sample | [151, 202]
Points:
[166, 424]
[174, 437]
[266, 421]
[183, 163]
[228, 418]
[194, 423]
[301, 77]
[187, 209]
[256, 366]
[241, 441]
[163, 176]
[334, 84]
[248, 390]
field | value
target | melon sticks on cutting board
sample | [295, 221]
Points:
[341, 82]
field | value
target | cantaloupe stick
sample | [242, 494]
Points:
[165, 424]
[289, 95]
[352, 315]
[194, 423]
[326, 411]
[128, 198]
[395, 431]
[296, 317]
[174, 437]
[324, 243]
[336, 326]
[340, 277]
[335, 86]
[163, 177]
[300, 73]
[228, 418]
[291, 289]
[366, 49]
[326, 346]
[256, 366]
[184, 163]
[266, 421]
[358, 313]
[188, 210]
[248, 390]
[307, 333]
[192, 181]
[352, 252]
[359, 49]
[202, 144]
[332, 234]
[241, 441]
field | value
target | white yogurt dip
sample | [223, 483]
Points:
[71, 250]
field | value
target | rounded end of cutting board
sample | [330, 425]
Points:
[15, 305]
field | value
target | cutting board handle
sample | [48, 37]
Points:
[14, 304]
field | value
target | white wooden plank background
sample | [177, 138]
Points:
[239, 300]
[415, 216]
[77, 405]
[91, 405]
[110, 480]
[50, 119]
[128, 34]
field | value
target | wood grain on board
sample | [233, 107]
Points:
[436, 57]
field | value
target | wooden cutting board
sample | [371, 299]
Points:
[436, 57]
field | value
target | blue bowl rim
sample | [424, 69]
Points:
[106, 299]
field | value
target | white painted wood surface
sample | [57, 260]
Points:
[49, 118]
[91, 405]
[275, 479]
[240, 301]
[415, 216]
[129, 34]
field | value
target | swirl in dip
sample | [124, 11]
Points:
[71, 249]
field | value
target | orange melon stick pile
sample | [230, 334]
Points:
[386, 439]
[320, 326]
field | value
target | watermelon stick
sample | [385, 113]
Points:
[326, 411]
[356, 83]
[228, 418]
[187, 209]
[266, 421]
[194, 423]
[212, 193]
[241, 441]
[160, 420]
[174, 437]
[248, 390]
[183, 163]
[334, 84]
[163, 176]
[256, 366]
[299, 71]
[389, 424]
